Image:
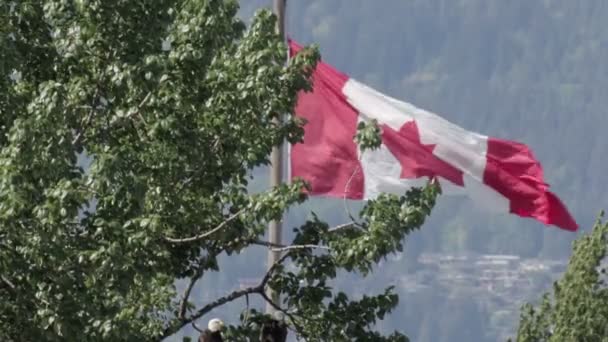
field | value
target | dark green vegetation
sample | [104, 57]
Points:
[577, 310]
[171, 103]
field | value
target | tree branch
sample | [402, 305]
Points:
[197, 275]
[172, 329]
[88, 119]
[207, 308]
[7, 282]
[277, 247]
[343, 226]
[292, 247]
[96, 97]
[271, 270]
[183, 305]
[140, 105]
[266, 244]
[205, 234]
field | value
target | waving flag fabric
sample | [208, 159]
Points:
[417, 145]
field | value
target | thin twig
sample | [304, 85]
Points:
[8, 282]
[267, 244]
[184, 304]
[287, 248]
[205, 234]
[271, 270]
[346, 188]
[207, 308]
[140, 105]
[196, 327]
[88, 119]
[277, 247]
[96, 98]
[246, 318]
[343, 226]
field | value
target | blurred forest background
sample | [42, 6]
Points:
[531, 71]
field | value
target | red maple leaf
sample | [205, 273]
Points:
[416, 159]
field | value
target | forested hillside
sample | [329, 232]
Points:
[532, 71]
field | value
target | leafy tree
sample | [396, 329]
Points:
[578, 308]
[174, 102]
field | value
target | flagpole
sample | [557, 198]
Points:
[276, 169]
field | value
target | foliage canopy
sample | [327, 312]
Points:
[174, 102]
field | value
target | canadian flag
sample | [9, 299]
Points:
[417, 145]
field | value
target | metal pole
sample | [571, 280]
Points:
[276, 170]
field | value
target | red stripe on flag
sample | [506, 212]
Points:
[328, 158]
[513, 171]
